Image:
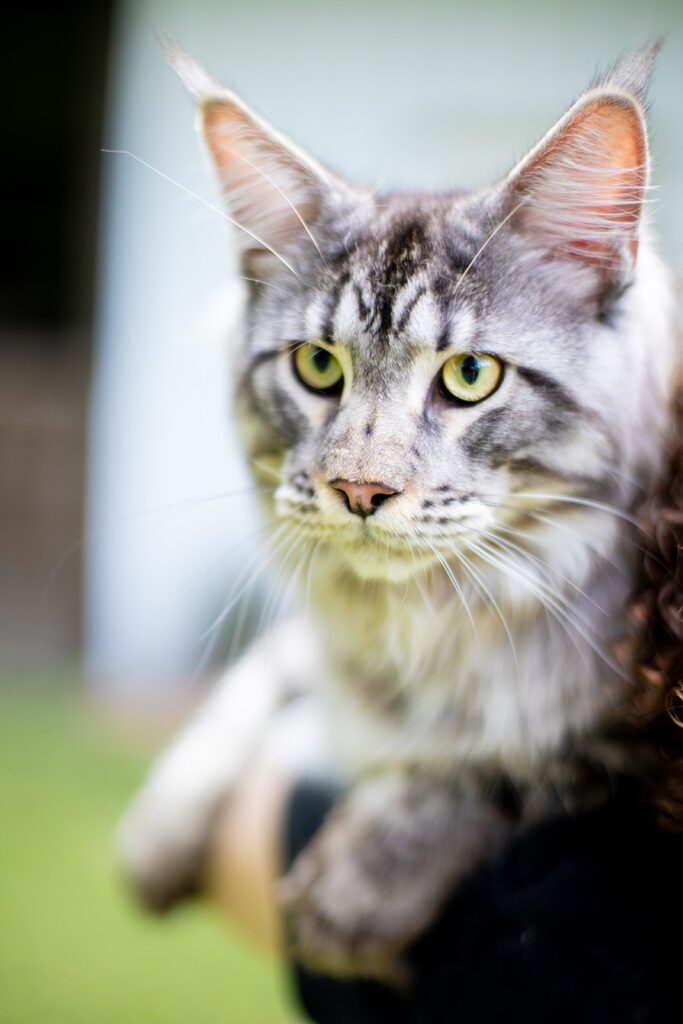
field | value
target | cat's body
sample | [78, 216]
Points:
[463, 558]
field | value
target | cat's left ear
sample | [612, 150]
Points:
[273, 191]
[579, 193]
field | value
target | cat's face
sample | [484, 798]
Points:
[421, 367]
[379, 368]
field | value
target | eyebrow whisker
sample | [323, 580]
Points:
[204, 202]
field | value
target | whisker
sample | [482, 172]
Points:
[537, 588]
[212, 633]
[164, 521]
[263, 468]
[556, 524]
[204, 202]
[277, 584]
[543, 590]
[489, 239]
[456, 586]
[489, 599]
[257, 280]
[220, 563]
[309, 573]
[556, 609]
[275, 325]
[303, 554]
[267, 561]
[286, 198]
[174, 508]
[422, 592]
[585, 502]
[561, 617]
[562, 527]
[543, 565]
[235, 644]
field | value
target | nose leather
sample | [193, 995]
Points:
[363, 499]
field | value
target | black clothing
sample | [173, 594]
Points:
[577, 922]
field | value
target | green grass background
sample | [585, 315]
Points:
[73, 950]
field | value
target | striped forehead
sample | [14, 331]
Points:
[414, 315]
[399, 279]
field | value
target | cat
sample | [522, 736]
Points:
[462, 398]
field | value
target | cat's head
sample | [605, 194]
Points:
[418, 365]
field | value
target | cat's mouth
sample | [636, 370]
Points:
[375, 553]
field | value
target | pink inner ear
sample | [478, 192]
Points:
[268, 190]
[585, 188]
[223, 125]
[235, 147]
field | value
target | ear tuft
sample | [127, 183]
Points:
[198, 82]
[273, 190]
[580, 191]
[633, 72]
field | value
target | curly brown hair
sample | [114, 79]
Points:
[656, 648]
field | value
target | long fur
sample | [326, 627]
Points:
[459, 641]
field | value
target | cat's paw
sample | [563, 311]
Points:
[334, 929]
[162, 850]
[350, 912]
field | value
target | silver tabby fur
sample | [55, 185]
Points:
[455, 646]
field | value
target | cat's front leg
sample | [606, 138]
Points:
[165, 833]
[382, 866]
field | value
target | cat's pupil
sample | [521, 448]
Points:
[321, 359]
[470, 369]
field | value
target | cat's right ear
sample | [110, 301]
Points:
[274, 192]
[579, 194]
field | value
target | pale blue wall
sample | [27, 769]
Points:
[402, 94]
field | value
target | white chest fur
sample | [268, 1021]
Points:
[414, 677]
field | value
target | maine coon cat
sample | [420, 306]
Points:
[462, 398]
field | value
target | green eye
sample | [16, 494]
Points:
[472, 377]
[318, 369]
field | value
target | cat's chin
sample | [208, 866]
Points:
[372, 563]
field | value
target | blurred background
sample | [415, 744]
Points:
[125, 519]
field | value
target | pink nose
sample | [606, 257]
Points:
[363, 499]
